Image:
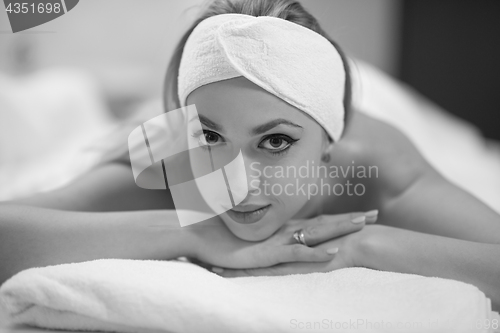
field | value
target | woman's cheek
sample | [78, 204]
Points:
[292, 192]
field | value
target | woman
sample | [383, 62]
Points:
[425, 225]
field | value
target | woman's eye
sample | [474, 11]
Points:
[211, 138]
[277, 143]
[207, 138]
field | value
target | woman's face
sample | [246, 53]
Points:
[275, 139]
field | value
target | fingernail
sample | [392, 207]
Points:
[217, 270]
[333, 250]
[372, 213]
[359, 219]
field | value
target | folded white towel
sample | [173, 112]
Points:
[146, 295]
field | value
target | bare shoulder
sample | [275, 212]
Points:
[378, 144]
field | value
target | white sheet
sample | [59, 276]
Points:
[47, 119]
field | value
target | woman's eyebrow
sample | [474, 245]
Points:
[255, 131]
[273, 123]
[207, 122]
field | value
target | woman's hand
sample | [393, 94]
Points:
[326, 227]
[213, 244]
[350, 251]
[217, 246]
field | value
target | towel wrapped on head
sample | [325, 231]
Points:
[288, 60]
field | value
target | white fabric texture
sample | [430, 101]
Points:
[147, 295]
[288, 60]
[47, 120]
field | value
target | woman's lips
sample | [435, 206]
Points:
[248, 216]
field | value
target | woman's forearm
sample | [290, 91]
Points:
[400, 250]
[34, 237]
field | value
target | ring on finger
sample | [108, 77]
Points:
[300, 237]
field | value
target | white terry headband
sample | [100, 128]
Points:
[286, 59]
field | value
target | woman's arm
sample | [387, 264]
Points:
[34, 237]
[86, 220]
[107, 187]
[74, 224]
[433, 205]
[399, 250]
[411, 194]
[427, 225]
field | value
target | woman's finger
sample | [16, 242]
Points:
[298, 252]
[275, 255]
[282, 269]
[326, 227]
[371, 216]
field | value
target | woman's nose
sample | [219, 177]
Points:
[253, 175]
[243, 176]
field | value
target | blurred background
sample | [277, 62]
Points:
[72, 79]
[125, 44]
